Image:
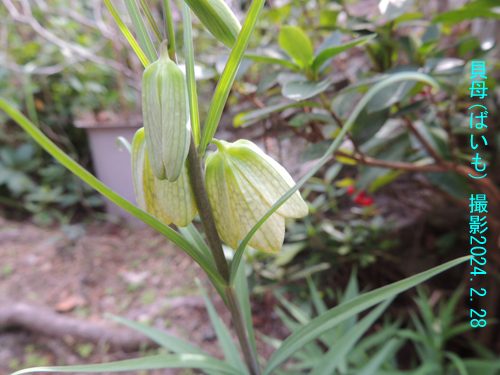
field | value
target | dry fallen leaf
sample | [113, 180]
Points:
[70, 303]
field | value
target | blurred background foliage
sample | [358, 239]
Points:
[392, 202]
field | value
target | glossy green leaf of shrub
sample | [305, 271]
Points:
[294, 41]
[398, 77]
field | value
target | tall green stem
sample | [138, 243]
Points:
[241, 330]
[207, 218]
[169, 30]
[196, 174]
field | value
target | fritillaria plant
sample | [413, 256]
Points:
[241, 194]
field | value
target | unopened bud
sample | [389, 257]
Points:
[165, 111]
[218, 18]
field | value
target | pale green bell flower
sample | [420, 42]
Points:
[170, 202]
[166, 119]
[242, 184]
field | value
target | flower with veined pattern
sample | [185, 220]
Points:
[242, 184]
[170, 202]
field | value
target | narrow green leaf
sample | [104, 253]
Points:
[342, 312]
[378, 359]
[227, 78]
[192, 235]
[151, 20]
[294, 41]
[294, 311]
[457, 362]
[318, 302]
[135, 46]
[123, 141]
[328, 53]
[483, 367]
[169, 29]
[273, 60]
[30, 99]
[225, 340]
[190, 77]
[374, 340]
[248, 118]
[398, 77]
[195, 361]
[241, 285]
[332, 359]
[169, 342]
[79, 171]
[141, 31]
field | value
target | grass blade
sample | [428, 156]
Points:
[344, 311]
[225, 340]
[86, 176]
[195, 361]
[410, 76]
[227, 78]
[378, 359]
[151, 20]
[191, 234]
[133, 43]
[318, 302]
[141, 31]
[337, 353]
[191, 81]
[171, 343]
[457, 362]
[241, 285]
[169, 30]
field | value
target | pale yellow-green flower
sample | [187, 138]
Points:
[166, 116]
[242, 184]
[170, 202]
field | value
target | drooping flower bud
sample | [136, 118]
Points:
[165, 111]
[218, 18]
[242, 184]
[170, 202]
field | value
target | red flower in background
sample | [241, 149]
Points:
[351, 190]
[362, 199]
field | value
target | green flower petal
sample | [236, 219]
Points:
[247, 207]
[218, 196]
[152, 119]
[176, 126]
[176, 199]
[167, 201]
[268, 177]
[138, 147]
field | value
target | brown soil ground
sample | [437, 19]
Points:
[86, 271]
